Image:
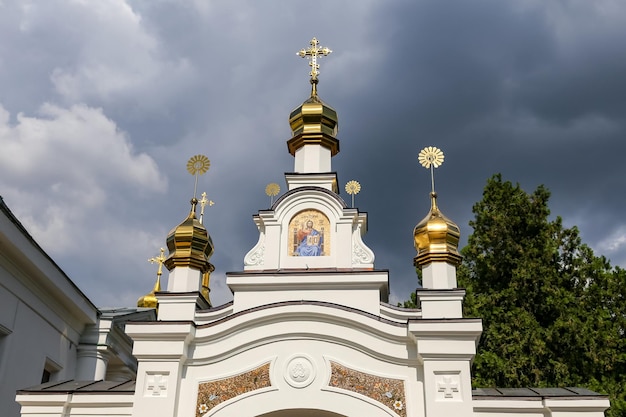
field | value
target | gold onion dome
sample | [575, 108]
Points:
[149, 300]
[313, 122]
[436, 237]
[189, 244]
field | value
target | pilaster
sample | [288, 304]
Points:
[445, 349]
[441, 304]
[180, 306]
[161, 349]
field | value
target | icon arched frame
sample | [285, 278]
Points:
[309, 234]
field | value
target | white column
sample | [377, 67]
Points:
[91, 363]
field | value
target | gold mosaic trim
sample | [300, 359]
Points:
[212, 393]
[384, 390]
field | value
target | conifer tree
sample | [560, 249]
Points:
[554, 314]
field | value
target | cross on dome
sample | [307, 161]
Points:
[312, 54]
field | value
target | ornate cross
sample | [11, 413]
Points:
[203, 203]
[157, 384]
[448, 386]
[313, 53]
[159, 259]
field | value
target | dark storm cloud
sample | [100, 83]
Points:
[499, 89]
[533, 89]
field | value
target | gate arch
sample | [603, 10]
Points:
[302, 403]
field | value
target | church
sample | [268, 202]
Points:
[309, 331]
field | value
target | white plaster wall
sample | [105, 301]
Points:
[312, 158]
[33, 333]
[359, 290]
[42, 315]
[273, 250]
[282, 395]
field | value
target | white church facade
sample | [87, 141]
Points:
[309, 331]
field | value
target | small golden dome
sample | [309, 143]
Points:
[189, 244]
[436, 238]
[149, 300]
[313, 122]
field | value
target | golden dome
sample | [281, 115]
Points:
[313, 122]
[436, 238]
[189, 244]
[149, 300]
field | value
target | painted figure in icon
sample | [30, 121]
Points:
[310, 241]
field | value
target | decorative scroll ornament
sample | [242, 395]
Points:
[431, 157]
[272, 191]
[353, 187]
[198, 165]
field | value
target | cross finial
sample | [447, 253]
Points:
[159, 259]
[312, 54]
[203, 203]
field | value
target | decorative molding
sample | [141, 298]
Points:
[213, 393]
[256, 256]
[156, 384]
[448, 386]
[387, 391]
[299, 371]
[360, 255]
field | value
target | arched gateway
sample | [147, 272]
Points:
[309, 332]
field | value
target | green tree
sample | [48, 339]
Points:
[554, 314]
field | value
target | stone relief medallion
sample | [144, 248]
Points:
[299, 371]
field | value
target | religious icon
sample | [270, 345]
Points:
[307, 230]
[310, 241]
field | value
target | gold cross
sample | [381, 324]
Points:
[159, 259]
[313, 53]
[203, 203]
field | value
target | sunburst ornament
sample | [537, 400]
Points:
[353, 187]
[272, 191]
[198, 165]
[431, 157]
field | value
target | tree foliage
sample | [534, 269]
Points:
[554, 314]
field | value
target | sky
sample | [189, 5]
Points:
[103, 102]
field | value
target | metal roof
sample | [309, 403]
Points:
[533, 393]
[81, 387]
